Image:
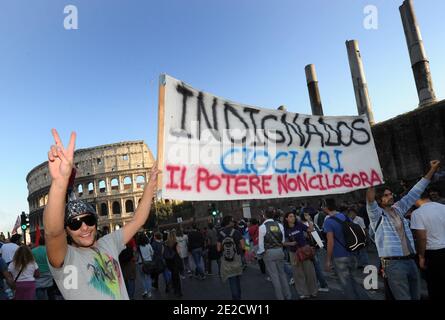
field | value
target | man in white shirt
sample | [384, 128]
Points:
[270, 245]
[8, 249]
[435, 195]
[428, 221]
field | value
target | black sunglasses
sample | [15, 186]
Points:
[75, 223]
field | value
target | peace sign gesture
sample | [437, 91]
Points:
[60, 160]
[154, 173]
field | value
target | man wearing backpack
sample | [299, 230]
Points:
[343, 259]
[270, 245]
[230, 244]
[394, 239]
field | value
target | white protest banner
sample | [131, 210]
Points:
[213, 149]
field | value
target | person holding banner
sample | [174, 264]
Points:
[87, 268]
[393, 237]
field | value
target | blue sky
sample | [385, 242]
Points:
[101, 80]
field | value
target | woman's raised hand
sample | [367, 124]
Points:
[60, 160]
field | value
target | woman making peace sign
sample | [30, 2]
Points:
[87, 268]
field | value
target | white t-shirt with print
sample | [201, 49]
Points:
[93, 273]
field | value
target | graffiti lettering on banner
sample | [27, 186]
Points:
[215, 149]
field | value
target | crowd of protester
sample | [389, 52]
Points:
[293, 247]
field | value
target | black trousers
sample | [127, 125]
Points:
[435, 273]
[174, 268]
[262, 266]
[213, 255]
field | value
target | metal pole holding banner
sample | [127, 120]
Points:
[161, 112]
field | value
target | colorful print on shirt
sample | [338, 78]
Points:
[106, 276]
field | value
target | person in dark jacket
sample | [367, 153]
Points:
[158, 256]
[174, 262]
[128, 266]
[196, 245]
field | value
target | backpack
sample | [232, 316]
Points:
[228, 246]
[273, 237]
[148, 267]
[355, 236]
[169, 253]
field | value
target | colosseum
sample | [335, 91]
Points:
[110, 177]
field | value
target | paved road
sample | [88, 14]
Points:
[254, 286]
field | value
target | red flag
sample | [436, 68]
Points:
[36, 243]
[16, 226]
[132, 243]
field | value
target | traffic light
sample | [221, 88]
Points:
[24, 221]
[212, 210]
